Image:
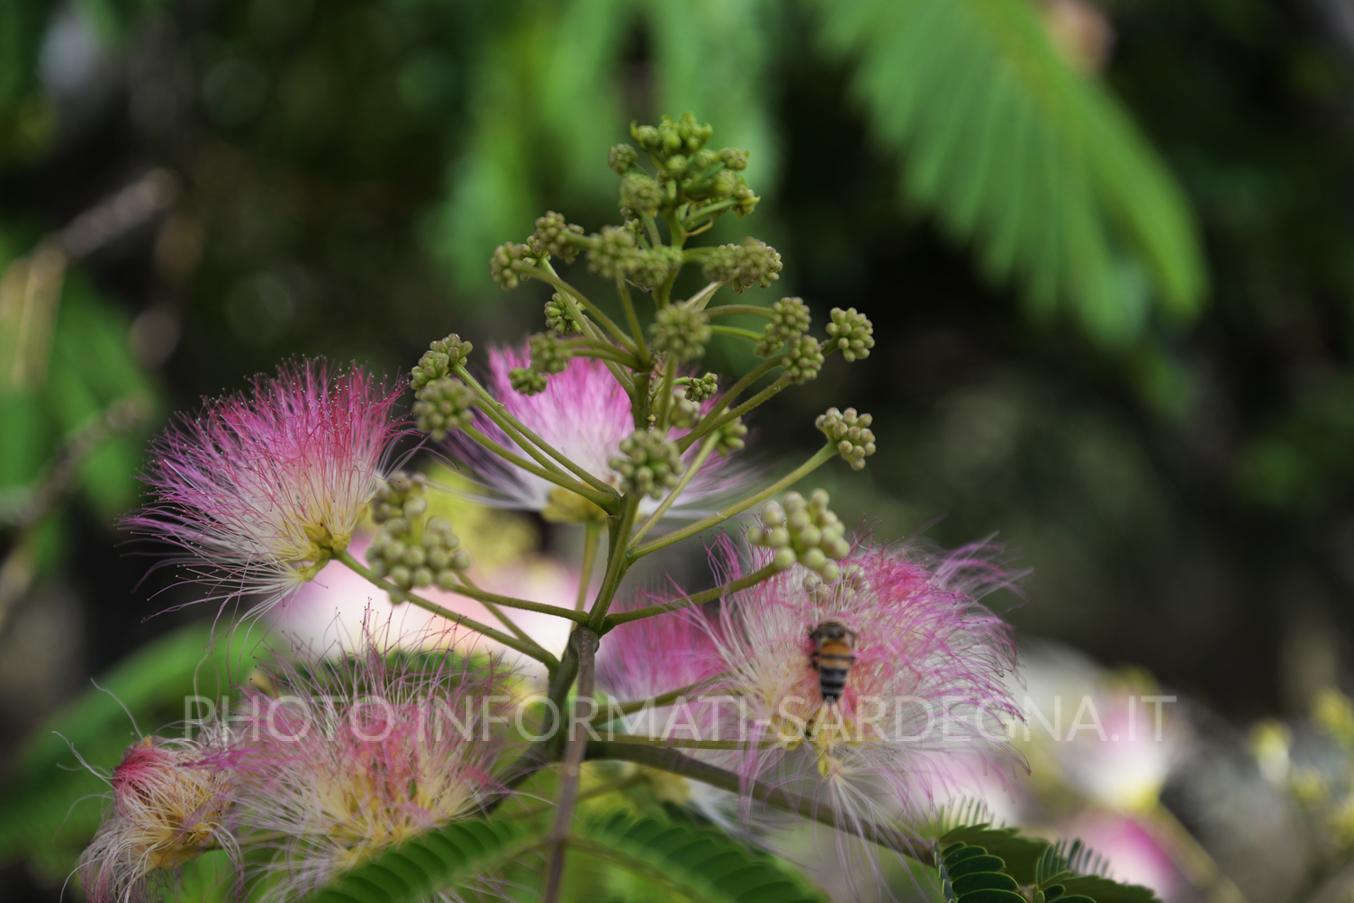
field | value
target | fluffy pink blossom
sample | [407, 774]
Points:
[171, 802]
[583, 413]
[339, 763]
[926, 687]
[258, 489]
[328, 614]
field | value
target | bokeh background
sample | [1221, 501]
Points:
[1108, 248]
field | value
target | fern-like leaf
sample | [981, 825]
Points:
[702, 863]
[1010, 147]
[432, 862]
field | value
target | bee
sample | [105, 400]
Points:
[832, 657]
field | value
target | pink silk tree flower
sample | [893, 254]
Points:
[584, 414]
[329, 614]
[172, 801]
[340, 762]
[924, 678]
[260, 489]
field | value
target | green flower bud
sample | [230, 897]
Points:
[442, 406]
[703, 388]
[704, 159]
[743, 265]
[651, 268]
[526, 381]
[509, 261]
[803, 360]
[734, 158]
[804, 531]
[611, 252]
[724, 184]
[622, 158]
[556, 238]
[790, 319]
[646, 136]
[435, 558]
[732, 437]
[641, 195]
[851, 332]
[684, 412]
[850, 432]
[558, 319]
[548, 353]
[681, 332]
[745, 201]
[393, 497]
[648, 463]
[442, 356]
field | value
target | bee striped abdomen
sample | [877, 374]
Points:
[832, 657]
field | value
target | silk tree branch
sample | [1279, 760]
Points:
[671, 760]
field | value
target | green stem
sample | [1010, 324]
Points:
[684, 743]
[821, 457]
[671, 760]
[712, 423]
[550, 475]
[744, 382]
[736, 332]
[591, 542]
[632, 318]
[584, 641]
[523, 436]
[692, 469]
[654, 702]
[709, 595]
[529, 649]
[474, 592]
[736, 310]
[546, 273]
[617, 559]
[665, 394]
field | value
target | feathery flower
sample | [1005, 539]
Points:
[171, 802]
[926, 683]
[663, 654]
[347, 760]
[583, 413]
[260, 490]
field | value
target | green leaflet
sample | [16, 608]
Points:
[699, 863]
[983, 864]
[1036, 164]
[702, 863]
[440, 859]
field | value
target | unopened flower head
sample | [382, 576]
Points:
[584, 414]
[171, 802]
[924, 674]
[347, 760]
[260, 490]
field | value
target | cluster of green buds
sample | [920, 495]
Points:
[673, 186]
[850, 433]
[442, 403]
[802, 531]
[674, 173]
[648, 463]
[410, 549]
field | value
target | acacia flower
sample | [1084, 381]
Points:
[171, 802]
[341, 762]
[260, 489]
[585, 414]
[926, 683]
